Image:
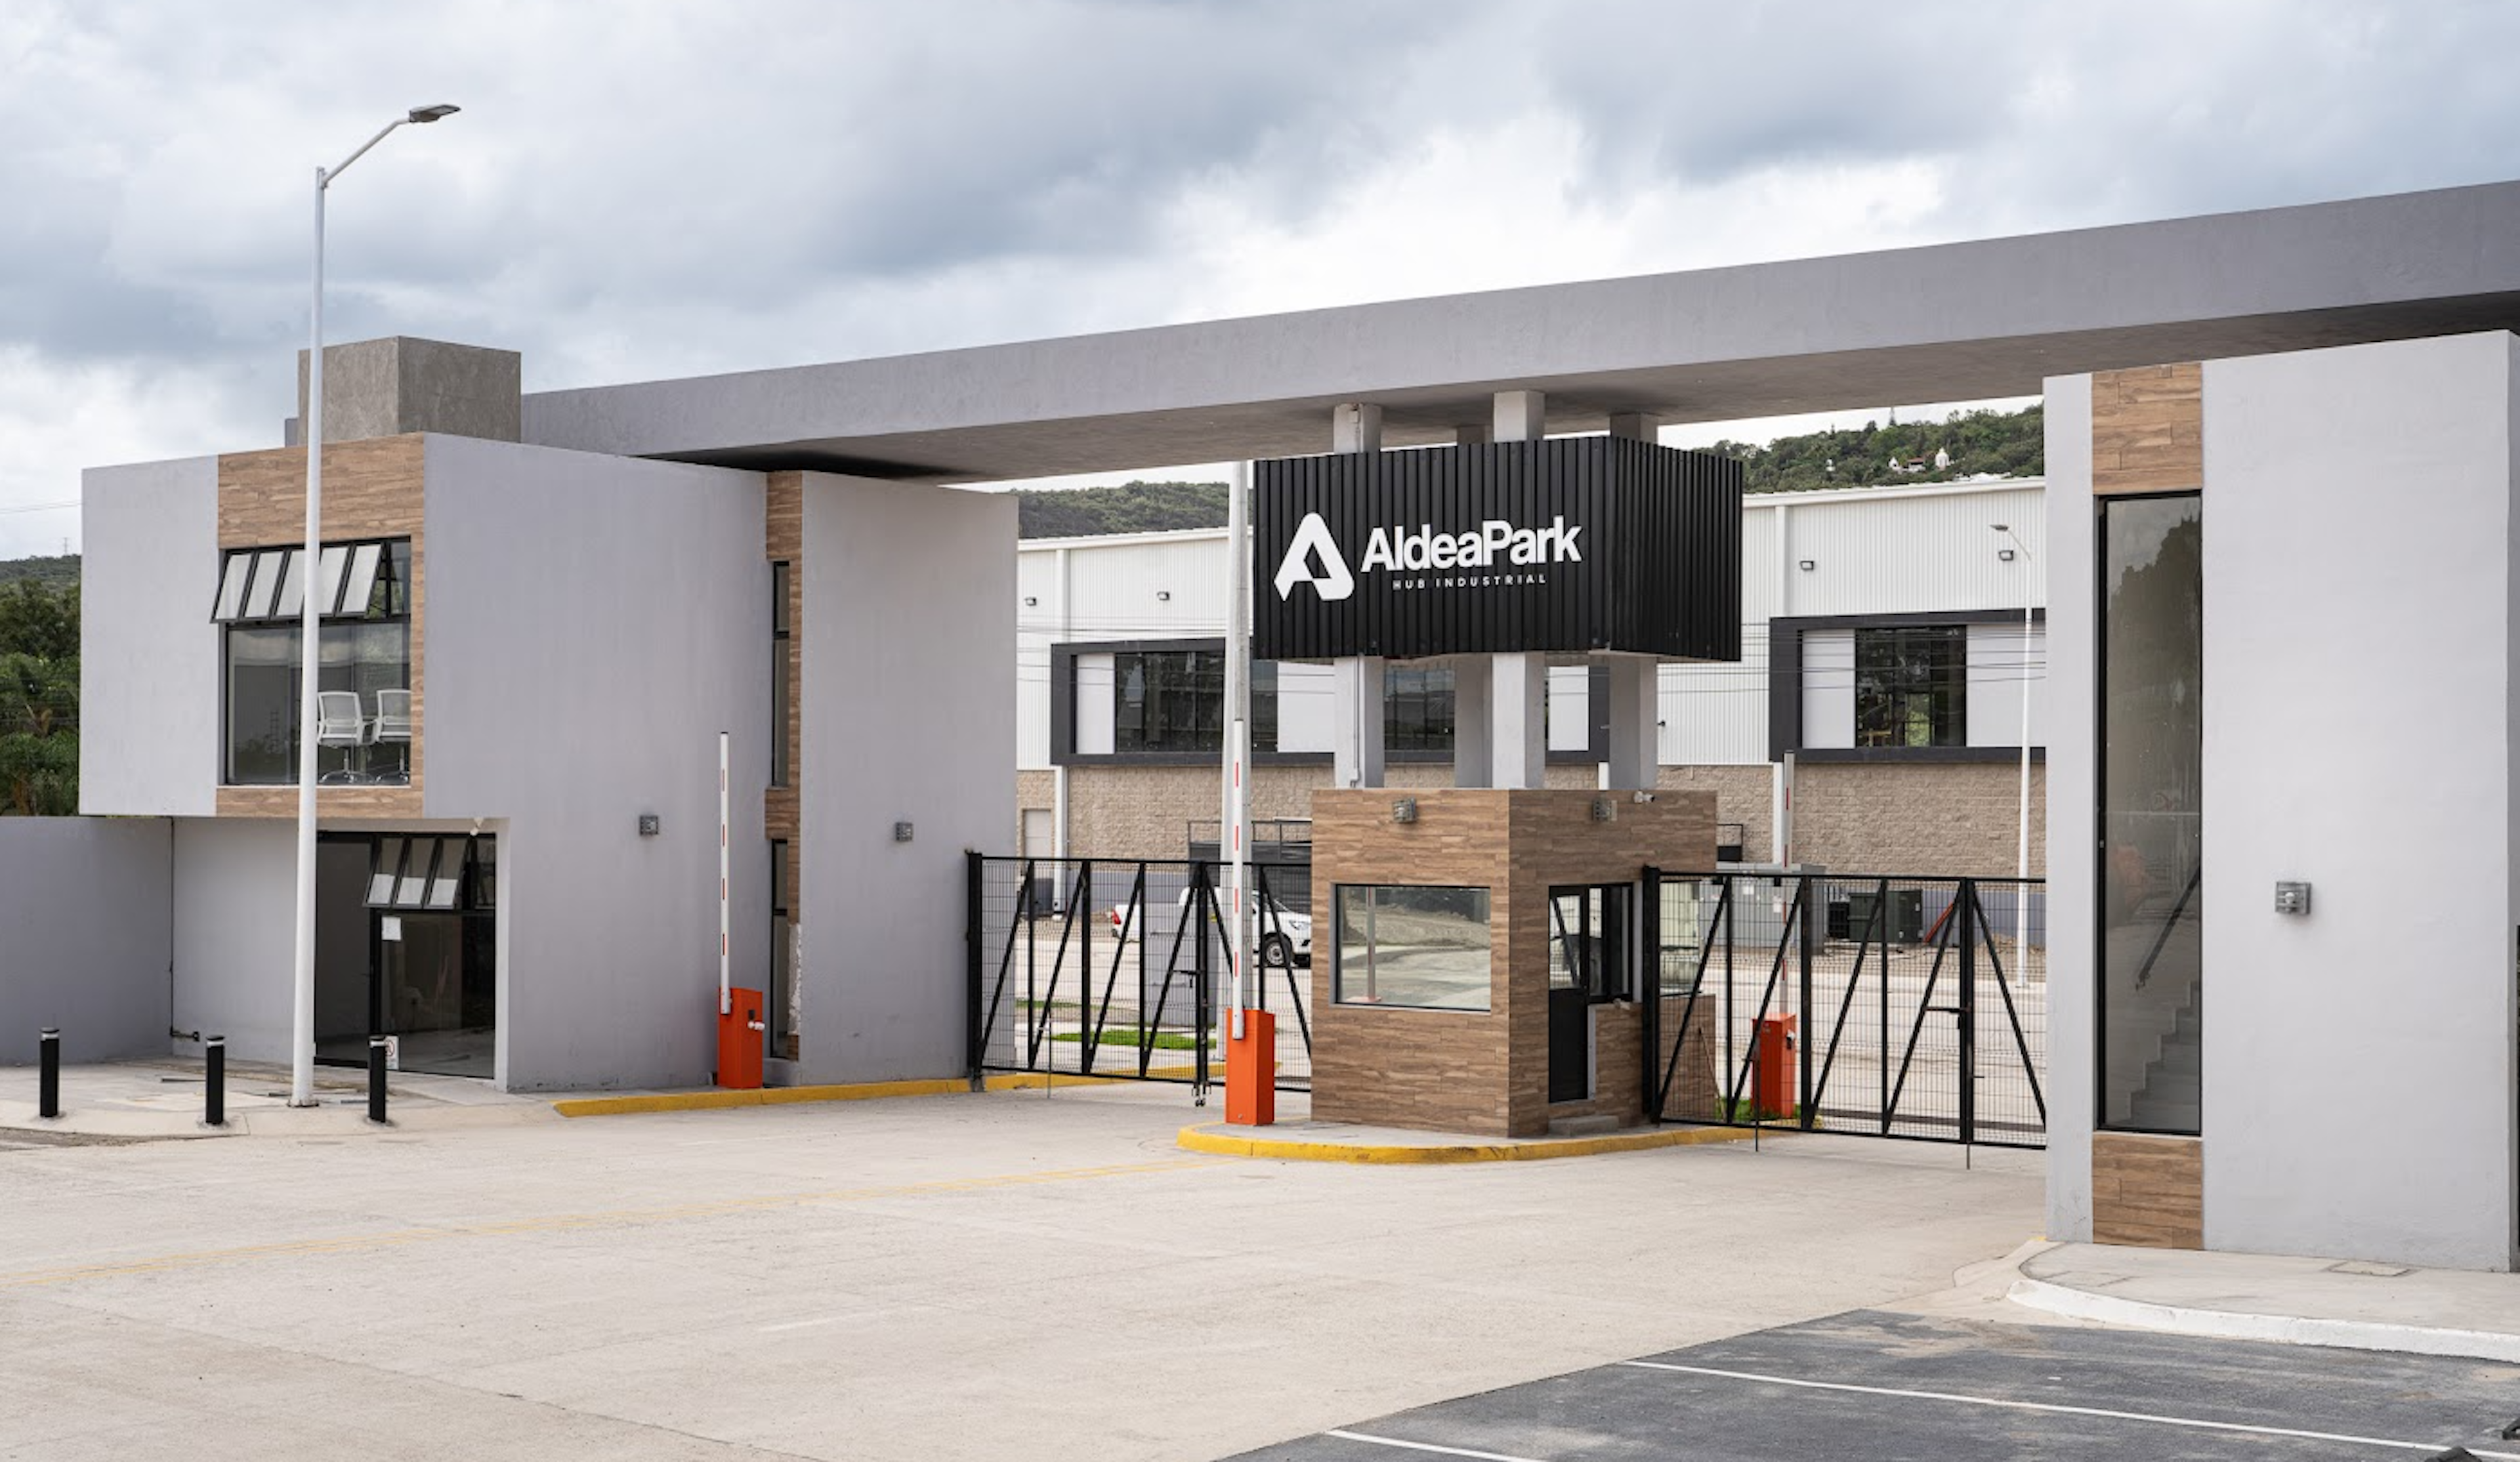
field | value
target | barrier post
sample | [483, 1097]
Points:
[214, 1082]
[377, 1079]
[48, 1073]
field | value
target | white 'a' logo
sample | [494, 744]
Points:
[1313, 536]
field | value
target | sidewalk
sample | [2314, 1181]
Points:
[161, 1099]
[2348, 1304]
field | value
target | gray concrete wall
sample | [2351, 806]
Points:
[149, 654]
[593, 624]
[2358, 1063]
[234, 910]
[84, 934]
[906, 717]
[2073, 832]
[401, 383]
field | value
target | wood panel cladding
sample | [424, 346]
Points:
[2147, 1191]
[1484, 1073]
[372, 489]
[2148, 429]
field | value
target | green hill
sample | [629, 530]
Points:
[2005, 444]
[59, 571]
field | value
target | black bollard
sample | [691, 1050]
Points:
[377, 1079]
[214, 1082]
[48, 1075]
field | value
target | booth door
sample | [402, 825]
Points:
[1570, 998]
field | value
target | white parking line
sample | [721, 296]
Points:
[1427, 1447]
[2054, 1408]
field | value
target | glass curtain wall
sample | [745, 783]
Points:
[2152, 667]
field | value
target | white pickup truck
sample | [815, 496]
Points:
[1286, 936]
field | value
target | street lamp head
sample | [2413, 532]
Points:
[433, 114]
[2000, 527]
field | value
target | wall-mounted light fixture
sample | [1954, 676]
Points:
[1164, 595]
[2005, 554]
[901, 831]
[650, 825]
[1809, 564]
[1032, 601]
[1403, 809]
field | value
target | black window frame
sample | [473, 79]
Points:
[1785, 634]
[1908, 677]
[2105, 897]
[388, 604]
[783, 652]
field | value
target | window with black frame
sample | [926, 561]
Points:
[1588, 948]
[2151, 805]
[1418, 708]
[1911, 687]
[364, 716]
[784, 1039]
[783, 661]
[1168, 700]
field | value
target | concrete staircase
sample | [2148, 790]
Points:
[2167, 1101]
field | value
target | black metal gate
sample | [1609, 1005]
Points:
[1877, 1007]
[1116, 967]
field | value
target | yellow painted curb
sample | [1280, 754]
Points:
[1212, 1138]
[780, 1096]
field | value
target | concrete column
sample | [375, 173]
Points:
[1518, 689]
[1521, 415]
[1517, 720]
[1635, 683]
[1356, 749]
[1473, 763]
[1635, 425]
[1356, 682]
[1356, 426]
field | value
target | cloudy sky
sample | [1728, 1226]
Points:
[640, 190]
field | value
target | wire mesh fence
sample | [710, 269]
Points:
[1117, 967]
[1885, 1007]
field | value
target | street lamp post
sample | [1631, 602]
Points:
[301, 1053]
[2021, 890]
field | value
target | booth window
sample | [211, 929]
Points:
[364, 722]
[1588, 942]
[1911, 687]
[1424, 948]
[783, 664]
[1418, 708]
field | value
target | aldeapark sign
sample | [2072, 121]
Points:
[1568, 543]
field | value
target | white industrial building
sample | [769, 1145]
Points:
[1883, 650]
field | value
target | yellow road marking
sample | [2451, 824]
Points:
[1216, 1139]
[563, 1222]
[780, 1096]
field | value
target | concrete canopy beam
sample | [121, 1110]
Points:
[1944, 323]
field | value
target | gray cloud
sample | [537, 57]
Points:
[654, 189]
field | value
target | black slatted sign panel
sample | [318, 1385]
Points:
[1570, 543]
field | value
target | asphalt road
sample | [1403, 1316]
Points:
[1881, 1386]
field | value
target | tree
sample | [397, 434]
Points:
[39, 693]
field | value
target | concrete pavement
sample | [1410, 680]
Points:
[1042, 1275]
